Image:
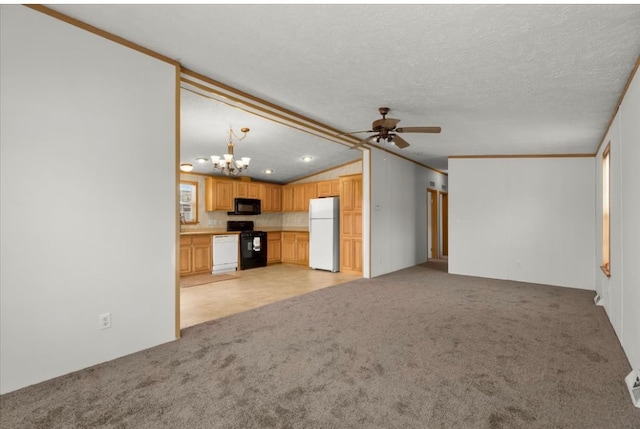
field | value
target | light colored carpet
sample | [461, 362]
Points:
[418, 348]
[203, 279]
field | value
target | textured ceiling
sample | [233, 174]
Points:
[498, 79]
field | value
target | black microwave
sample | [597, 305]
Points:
[245, 206]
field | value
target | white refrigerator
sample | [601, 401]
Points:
[324, 234]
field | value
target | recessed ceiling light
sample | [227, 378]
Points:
[186, 167]
[306, 158]
[267, 171]
[202, 160]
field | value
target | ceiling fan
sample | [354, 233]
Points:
[385, 129]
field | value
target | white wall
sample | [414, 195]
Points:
[88, 198]
[525, 219]
[621, 292]
[398, 211]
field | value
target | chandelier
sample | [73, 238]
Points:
[227, 164]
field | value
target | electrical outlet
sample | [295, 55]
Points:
[104, 321]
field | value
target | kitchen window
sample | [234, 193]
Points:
[188, 202]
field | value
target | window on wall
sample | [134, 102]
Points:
[188, 202]
[606, 225]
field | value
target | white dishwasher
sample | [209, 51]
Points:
[225, 253]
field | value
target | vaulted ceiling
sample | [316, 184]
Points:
[498, 79]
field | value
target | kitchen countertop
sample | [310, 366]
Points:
[220, 231]
[216, 231]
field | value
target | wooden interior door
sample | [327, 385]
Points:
[433, 222]
[445, 224]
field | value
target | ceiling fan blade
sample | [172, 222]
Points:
[399, 142]
[434, 130]
[363, 141]
[355, 132]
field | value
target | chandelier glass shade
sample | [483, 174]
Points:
[227, 163]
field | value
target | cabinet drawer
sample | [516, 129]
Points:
[288, 235]
[201, 240]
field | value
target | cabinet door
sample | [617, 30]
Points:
[288, 247]
[224, 195]
[346, 194]
[241, 190]
[266, 193]
[346, 254]
[302, 249]
[253, 190]
[335, 188]
[310, 192]
[276, 198]
[357, 254]
[202, 260]
[357, 193]
[324, 189]
[287, 198]
[185, 256]
[273, 248]
[298, 198]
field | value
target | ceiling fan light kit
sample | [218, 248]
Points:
[385, 129]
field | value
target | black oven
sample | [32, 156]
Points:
[246, 206]
[253, 244]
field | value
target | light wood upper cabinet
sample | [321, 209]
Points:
[218, 194]
[271, 196]
[310, 192]
[298, 198]
[287, 198]
[276, 198]
[246, 189]
[302, 193]
[240, 190]
[329, 188]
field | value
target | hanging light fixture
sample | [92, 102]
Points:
[227, 164]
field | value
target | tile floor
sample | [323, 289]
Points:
[253, 288]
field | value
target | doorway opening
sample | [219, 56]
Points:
[437, 224]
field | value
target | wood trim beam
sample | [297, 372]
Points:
[95, 30]
[177, 203]
[550, 155]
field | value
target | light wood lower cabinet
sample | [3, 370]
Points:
[351, 255]
[295, 247]
[195, 254]
[274, 247]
